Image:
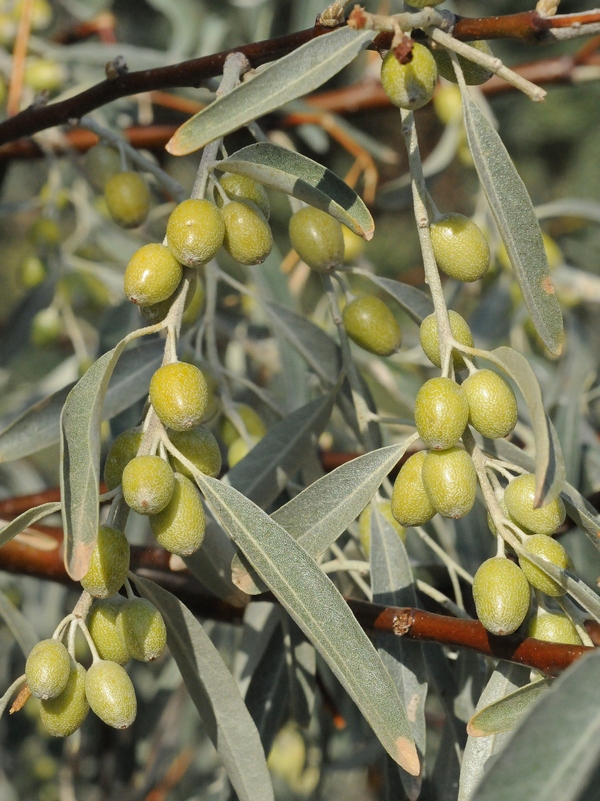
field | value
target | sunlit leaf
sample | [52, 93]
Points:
[414, 302]
[507, 712]
[26, 519]
[18, 624]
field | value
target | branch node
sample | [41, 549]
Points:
[116, 68]
[402, 622]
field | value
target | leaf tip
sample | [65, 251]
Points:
[407, 756]
[473, 731]
[78, 562]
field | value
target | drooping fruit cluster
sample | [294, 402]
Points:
[474, 73]
[237, 445]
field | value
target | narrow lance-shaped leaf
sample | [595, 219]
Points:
[320, 611]
[26, 519]
[415, 303]
[506, 713]
[19, 625]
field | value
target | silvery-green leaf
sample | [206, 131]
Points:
[314, 603]
[582, 513]
[569, 207]
[261, 618]
[268, 692]
[19, 625]
[215, 694]
[27, 518]
[415, 303]
[507, 712]
[445, 776]
[301, 664]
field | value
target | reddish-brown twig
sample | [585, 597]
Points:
[18, 61]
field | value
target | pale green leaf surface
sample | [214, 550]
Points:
[25, 519]
[507, 712]
[415, 303]
[19, 625]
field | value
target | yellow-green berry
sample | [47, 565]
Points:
[195, 231]
[109, 563]
[143, 629]
[492, 404]
[148, 484]
[410, 84]
[317, 238]
[549, 550]
[44, 75]
[441, 413]
[450, 481]
[180, 527]
[46, 327]
[239, 449]
[63, 715]
[410, 503]
[32, 271]
[254, 425]
[501, 594]
[428, 336]
[179, 395]
[200, 447]
[101, 163]
[447, 102]
[127, 198]
[460, 248]
[474, 73]
[554, 627]
[121, 452]
[364, 523]
[248, 238]
[240, 187]
[519, 496]
[102, 625]
[370, 323]
[110, 694]
[47, 669]
[152, 275]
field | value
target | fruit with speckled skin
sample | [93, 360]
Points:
[102, 625]
[195, 231]
[492, 404]
[364, 523]
[549, 550]
[110, 694]
[460, 248]
[254, 425]
[200, 447]
[501, 594]
[47, 669]
[410, 85]
[143, 629]
[148, 484]
[450, 481]
[127, 199]
[428, 336]
[317, 238]
[410, 503]
[474, 73]
[248, 238]
[554, 627]
[370, 323]
[121, 452]
[441, 413]
[240, 187]
[519, 496]
[63, 715]
[109, 563]
[152, 275]
[180, 527]
[179, 395]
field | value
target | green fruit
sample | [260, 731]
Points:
[474, 73]
[194, 302]
[45, 232]
[32, 271]
[110, 694]
[317, 238]
[109, 563]
[354, 246]
[101, 163]
[195, 232]
[248, 238]
[410, 85]
[121, 452]
[450, 481]
[143, 629]
[64, 714]
[410, 503]
[555, 627]
[552, 551]
[428, 336]
[102, 625]
[152, 275]
[447, 102]
[441, 413]
[148, 484]
[180, 527]
[239, 449]
[179, 395]
[519, 496]
[364, 523]
[501, 595]
[44, 75]
[370, 323]
[127, 199]
[460, 248]
[254, 425]
[47, 669]
[200, 447]
[46, 327]
[239, 187]
[492, 404]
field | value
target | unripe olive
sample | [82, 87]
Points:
[552, 551]
[200, 447]
[195, 232]
[474, 73]
[441, 413]
[143, 629]
[364, 523]
[501, 595]
[447, 102]
[148, 484]
[370, 323]
[450, 481]
[519, 496]
[102, 625]
[428, 336]
[254, 425]
[410, 85]
[47, 669]
[32, 271]
[194, 302]
[492, 404]
[354, 246]
[179, 395]
[110, 694]
[240, 187]
[44, 74]
[239, 449]
[152, 275]
[127, 199]
[317, 238]
[460, 248]
[109, 563]
[64, 714]
[554, 627]
[46, 327]
[45, 232]
[248, 238]
[410, 503]
[180, 527]
[121, 452]
[101, 163]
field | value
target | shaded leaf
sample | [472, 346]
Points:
[19, 625]
[507, 712]
[26, 519]
[301, 664]
[415, 303]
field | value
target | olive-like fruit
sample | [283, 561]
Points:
[46, 327]
[47, 669]
[239, 449]
[143, 629]
[474, 73]
[121, 452]
[102, 625]
[44, 75]
[441, 413]
[364, 523]
[195, 231]
[180, 527]
[45, 232]
[254, 425]
[447, 102]
[179, 395]
[460, 248]
[110, 694]
[428, 336]
[127, 199]
[109, 563]
[101, 163]
[354, 246]
[492, 404]
[200, 447]
[32, 271]
[410, 503]
[152, 275]
[552, 551]
[148, 484]
[519, 496]
[64, 714]
[450, 481]
[554, 627]
[194, 301]
[248, 238]
[240, 187]
[370, 323]
[409, 85]
[317, 238]
[501, 594]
